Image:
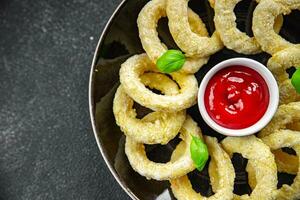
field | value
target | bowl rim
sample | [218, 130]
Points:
[273, 101]
[92, 106]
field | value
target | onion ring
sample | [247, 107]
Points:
[263, 161]
[285, 115]
[147, 24]
[191, 43]
[286, 138]
[263, 22]
[162, 128]
[278, 64]
[231, 36]
[223, 178]
[164, 171]
[136, 66]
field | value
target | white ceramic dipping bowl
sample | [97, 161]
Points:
[273, 100]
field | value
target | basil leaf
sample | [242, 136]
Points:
[170, 61]
[199, 152]
[296, 80]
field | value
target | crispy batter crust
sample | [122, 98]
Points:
[191, 43]
[147, 24]
[263, 22]
[262, 161]
[231, 36]
[162, 127]
[135, 66]
[221, 172]
[277, 140]
[164, 171]
[278, 64]
[285, 115]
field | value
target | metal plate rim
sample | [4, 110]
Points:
[91, 102]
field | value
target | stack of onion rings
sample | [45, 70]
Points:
[162, 128]
[147, 23]
[231, 36]
[139, 76]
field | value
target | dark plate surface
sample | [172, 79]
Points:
[120, 41]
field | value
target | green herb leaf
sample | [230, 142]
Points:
[170, 61]
[199, 152]
[296, 80]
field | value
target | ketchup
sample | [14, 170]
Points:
[236, 97]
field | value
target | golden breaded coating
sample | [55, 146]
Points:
[278, 64]
[261, 159]
[232, 37]
[280, 139]
[130, 73]
[162, 128]
[164, 171]
[221, 173]
[285, 115]
[147, 24]
[191, 43]
[263, 21]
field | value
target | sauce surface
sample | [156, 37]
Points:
[236, 97]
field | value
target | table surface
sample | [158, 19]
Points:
[48, 150]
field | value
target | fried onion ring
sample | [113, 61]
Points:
[231, 36]
[147, 24]
[223, 178]
[278, 64]
[135, 66]
[263, 22]
[286, 138]
[191, 43]
[164, 171]
[162, 128]
[285, 162]
[264, 166]
[285, 115]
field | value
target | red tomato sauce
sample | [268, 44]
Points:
[236, 97]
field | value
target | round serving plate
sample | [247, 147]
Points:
[118, 42]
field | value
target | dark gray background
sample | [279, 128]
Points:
[47, 148]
